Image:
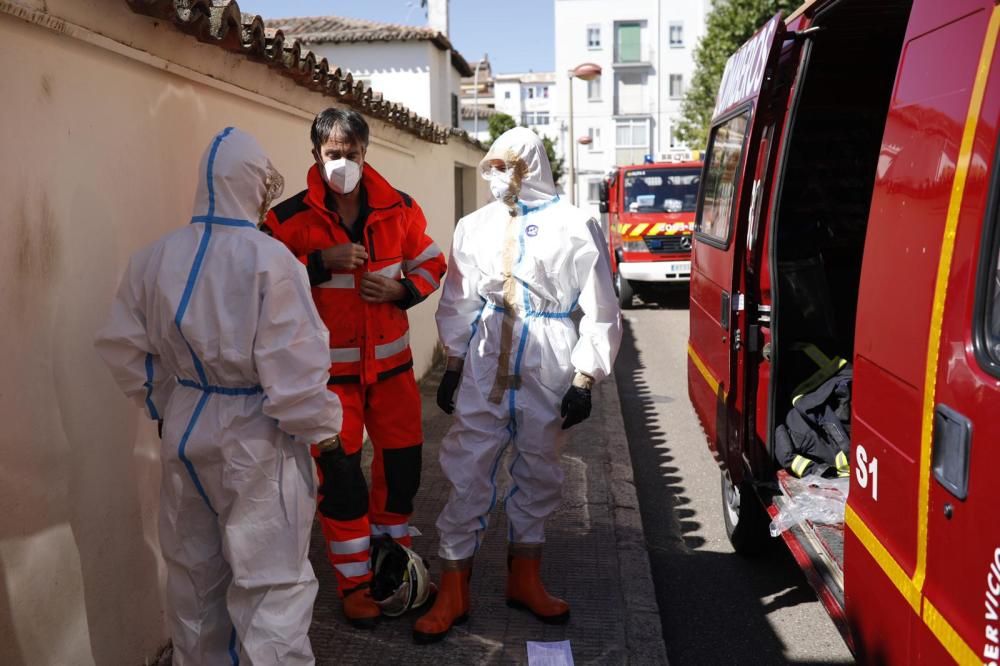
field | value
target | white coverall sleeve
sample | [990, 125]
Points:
[124, 345]
[292, 355]
[460, 304]
[601, 326]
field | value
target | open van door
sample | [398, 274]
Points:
[727, 188]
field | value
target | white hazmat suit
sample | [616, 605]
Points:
[519, 268]
[214, 331]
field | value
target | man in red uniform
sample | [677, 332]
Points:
[369, 259]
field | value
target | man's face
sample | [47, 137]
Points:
[338, 146]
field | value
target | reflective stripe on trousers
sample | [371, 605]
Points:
[395, 531]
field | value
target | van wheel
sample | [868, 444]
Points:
[746, 520]
[625, 292]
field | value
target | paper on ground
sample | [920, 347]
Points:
[557, 653]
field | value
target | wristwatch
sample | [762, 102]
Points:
[329, 444]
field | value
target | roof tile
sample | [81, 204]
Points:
[221, 22]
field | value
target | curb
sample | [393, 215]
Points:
[643, 634]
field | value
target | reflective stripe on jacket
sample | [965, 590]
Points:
[368, 341]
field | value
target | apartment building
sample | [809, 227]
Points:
[526, 97]
[645, 50]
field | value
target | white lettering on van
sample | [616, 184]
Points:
[991, 648]
[744, 71]
[866, 471]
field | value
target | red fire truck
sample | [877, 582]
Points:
[851, 203]
[650, 211]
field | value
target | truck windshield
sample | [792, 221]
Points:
[661, 190]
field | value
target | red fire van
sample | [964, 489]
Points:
[850, 203]
[650, 211]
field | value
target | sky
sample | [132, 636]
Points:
[517, 39]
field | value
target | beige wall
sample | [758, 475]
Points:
[101, 143]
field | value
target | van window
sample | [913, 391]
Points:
[661, 190]
[992, 322]
[723, 163]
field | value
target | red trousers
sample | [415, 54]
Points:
[390, 411]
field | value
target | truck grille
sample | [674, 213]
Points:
[669, 244]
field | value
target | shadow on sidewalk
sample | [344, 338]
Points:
[712, 603]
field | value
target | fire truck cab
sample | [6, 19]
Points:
[650, 209]
[850, 203]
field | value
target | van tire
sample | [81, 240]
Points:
[625, 292]
[746, 520]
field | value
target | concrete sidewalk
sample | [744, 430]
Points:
[595, 558]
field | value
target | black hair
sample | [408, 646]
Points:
[349, 123]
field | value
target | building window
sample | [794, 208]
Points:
[676, 86]
[506, 94]
[676, 35]
[593, 190]
[454, 110]
[632, 133]
[531, 92]
[722, 164]
[594, 90]
[545, 92]
[595, 139]
[632, 140]
[534, 118]
[593, 37]
[629, 42]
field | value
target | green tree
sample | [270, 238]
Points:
[499, 124]
[555, 162]
[502, 122]
[728, 25]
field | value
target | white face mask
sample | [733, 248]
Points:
[500, 186]
[341, 175]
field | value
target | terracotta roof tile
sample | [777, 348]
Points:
[342, 30]
[221, 22]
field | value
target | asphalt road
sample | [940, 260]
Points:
[716, 607]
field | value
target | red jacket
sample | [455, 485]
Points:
[368, 341]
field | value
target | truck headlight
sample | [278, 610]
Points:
[635, 246]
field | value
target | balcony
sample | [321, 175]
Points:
[641, 58]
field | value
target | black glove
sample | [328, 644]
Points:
[343, 489]
[327, 464]
[575, 406]
[446, 390]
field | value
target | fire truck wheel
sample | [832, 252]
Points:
[746, 519]
[625, 292]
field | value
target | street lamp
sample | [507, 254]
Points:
[475, 98]
[588, 71]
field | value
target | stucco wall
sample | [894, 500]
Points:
[101, 143]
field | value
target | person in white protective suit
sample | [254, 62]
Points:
[214, 331]
[519, 268]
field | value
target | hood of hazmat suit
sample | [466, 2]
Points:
[528, 175]
[214, 332]
[509, 315]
